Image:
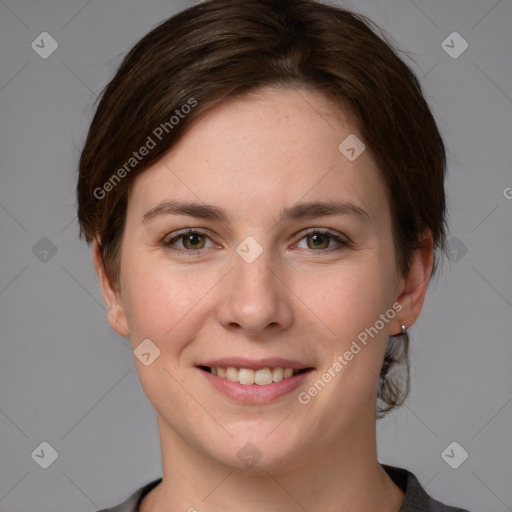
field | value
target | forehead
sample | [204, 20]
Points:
[258, 152]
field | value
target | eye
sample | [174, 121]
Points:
[321, 239]
[192, 241]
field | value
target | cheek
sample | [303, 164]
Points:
[349, 299]
[352, 350]
[162, 303]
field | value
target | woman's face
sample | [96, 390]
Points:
[265, 280]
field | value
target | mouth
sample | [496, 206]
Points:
[255, 381]
[263, 376]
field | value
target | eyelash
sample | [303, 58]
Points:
[343, 243]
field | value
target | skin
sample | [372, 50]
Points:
[252, 157]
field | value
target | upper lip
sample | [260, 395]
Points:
[255, 364]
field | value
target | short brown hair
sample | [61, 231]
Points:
[225, 48]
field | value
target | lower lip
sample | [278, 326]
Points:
[253, 393]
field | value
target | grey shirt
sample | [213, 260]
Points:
[416, 499]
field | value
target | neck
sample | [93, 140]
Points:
[346, 477]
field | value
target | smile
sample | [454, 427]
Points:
[249, 381]
[248, 376]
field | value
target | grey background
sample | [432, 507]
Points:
[66, 378]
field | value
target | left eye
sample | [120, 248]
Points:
[319, 238]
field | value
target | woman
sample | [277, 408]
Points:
[263, 185]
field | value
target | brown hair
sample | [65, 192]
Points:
[225, 48]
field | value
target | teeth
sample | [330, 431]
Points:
[288, 372]
[232, 374]
[261, 377]
[277, 374]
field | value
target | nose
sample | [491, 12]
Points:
[255, 297]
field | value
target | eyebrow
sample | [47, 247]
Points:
[298, 211]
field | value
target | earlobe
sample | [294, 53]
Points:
[111, 296]
[415, 282]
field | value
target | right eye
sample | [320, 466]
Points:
[190, 240]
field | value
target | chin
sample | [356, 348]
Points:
[259, 450]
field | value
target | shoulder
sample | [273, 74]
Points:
[132, 503]
[416, 498]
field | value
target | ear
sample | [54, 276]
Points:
[112, 297]
[413, 285]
